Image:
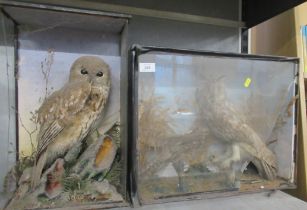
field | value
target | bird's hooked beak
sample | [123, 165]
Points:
[91, 79]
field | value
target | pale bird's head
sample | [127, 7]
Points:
[92, 69]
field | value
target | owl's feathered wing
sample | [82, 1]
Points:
[54, 115]
[228, 124]
[58, 110]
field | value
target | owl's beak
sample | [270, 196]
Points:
[91, 79]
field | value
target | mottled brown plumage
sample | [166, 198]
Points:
[68, 115]
[227, 123]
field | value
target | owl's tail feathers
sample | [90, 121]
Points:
[265, 170]
[37, 170]
[266, 164]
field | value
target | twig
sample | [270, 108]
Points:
[46, 69]
[30, 133]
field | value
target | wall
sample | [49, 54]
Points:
[146, 30]
[281, 36]
[228, 9]
[203, 25]
[174, 34]
[276, 36]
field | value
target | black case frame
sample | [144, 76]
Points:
[132, 178]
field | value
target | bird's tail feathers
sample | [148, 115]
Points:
[266, 165]
[266, 170]
[37, 170]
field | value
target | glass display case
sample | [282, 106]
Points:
[207, 124]
[62, 108]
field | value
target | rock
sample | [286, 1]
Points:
[105, 188]
[24, 199]
[26, 176]
[54, 185]
[50, 185]
[10, 181]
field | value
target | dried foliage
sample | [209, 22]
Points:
[46, 66]
[154, 126]
[46, 69]
[159, 144]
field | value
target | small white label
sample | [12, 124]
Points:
[147, 67]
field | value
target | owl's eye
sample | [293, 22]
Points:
[83, 71]
[99, 74]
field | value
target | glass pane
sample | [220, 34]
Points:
[7, 103]
[203, 119]
[68, 110]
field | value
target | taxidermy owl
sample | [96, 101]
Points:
[68, 115]
[227, 123]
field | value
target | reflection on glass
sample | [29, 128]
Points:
[211, 124]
